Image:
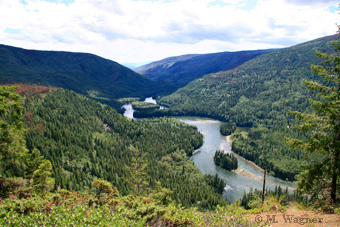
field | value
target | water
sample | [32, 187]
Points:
[203, 159]
[129, 110]
[236, 183]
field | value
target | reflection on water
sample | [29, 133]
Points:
[236, 184]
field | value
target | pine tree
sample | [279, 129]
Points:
[138, 179]
[42, 182]
[33, 162]
[12, 142]
[323, 128]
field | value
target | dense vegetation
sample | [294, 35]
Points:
[278, 197]
[137, 105]
[268, 149]
[85, 140]
[227, 129]
[320, 178]
[259, 94]
[181, 70]
[87, 74]
[90, 127]
[226, 161]
[105, 169]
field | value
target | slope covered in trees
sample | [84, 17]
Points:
[85, 140]
[181, 70]
[87, 74]
[259, 94]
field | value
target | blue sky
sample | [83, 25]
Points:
[149, 30]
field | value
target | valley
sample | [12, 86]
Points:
[237, 184]
[103, 138]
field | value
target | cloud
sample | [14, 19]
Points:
[141, 30]
[313, 3]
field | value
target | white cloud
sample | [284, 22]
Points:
[140, 31]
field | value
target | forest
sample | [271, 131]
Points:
[259, 95]
[226, 161]
[69, 160]
[87, 165]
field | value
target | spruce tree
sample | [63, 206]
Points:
[323, 129]
[12, 142]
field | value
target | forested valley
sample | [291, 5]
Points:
[69, 160]
[257, 96]
[85, 140]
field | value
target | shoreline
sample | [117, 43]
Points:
[250, 162]
[229, 140]
[246, 173]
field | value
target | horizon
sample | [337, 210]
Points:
[139, 31]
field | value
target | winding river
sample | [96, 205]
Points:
[203, 158]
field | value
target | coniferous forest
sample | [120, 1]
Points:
[69, 160]
[85, 140]
[226, 161]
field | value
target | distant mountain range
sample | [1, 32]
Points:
[183, 69]
[251, 91]
[87, 74]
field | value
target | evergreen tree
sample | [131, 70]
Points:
[12, 142]
[323, 128]
[139, 180]
[42, 182]
[33, 162]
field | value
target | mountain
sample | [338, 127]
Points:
[251, 91]
[181, 70]
[259, 95]
[83, 73]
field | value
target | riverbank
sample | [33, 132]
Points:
[246, 173]
[251, 163]
[230, 141]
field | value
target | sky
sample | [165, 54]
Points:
[141, 31]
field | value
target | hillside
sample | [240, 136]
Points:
[86, 140]
[257, 94]
[181, 70]
[83, 73]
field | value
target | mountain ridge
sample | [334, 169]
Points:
[180, 70]
[84, 73]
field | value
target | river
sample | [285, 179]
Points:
[203, 159]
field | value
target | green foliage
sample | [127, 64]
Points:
[137, 178]
[227, 129]
[144, 105]
[259, 94]
[85, 140]
[72, 208]
[276, 200]
[130, 211]
[13, 186]
[33, 162]
[226, 161]
[181, 70]
[103, 190]
[12, 143]
[98, 78]
[42, 182]
[266, 149]
[129, 100]
[320, 178]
